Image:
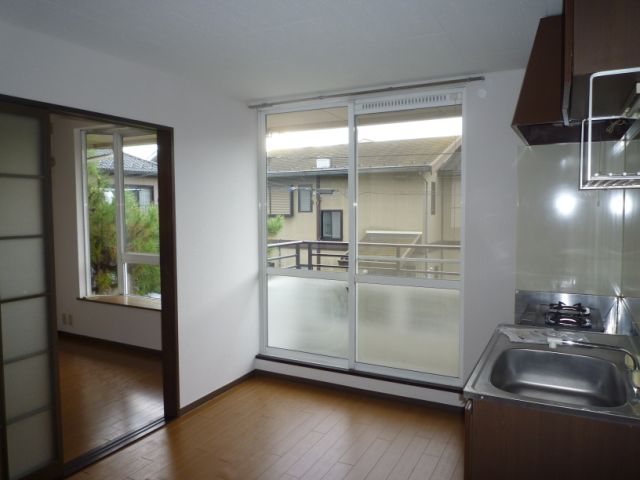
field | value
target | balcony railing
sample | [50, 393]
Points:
[309, 255]
[432, 260]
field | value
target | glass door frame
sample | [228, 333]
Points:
[54, 468]
[403, 102]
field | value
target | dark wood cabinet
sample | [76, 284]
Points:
[591, 36]
[603, 35]
[506, 441]
[538, 117]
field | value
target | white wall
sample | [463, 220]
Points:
[215, 161]
[490, 196]
[132, 326]
[215, 172]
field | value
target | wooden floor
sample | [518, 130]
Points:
[106, 391]
[268, 428]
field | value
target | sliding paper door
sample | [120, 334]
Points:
[28, 421]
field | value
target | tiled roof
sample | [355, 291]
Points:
[133, 166]
[413, 154]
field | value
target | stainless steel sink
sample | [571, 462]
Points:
[583, 373]
[560, 377]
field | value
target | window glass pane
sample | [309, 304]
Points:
[22, 268]
[143, 280]
[140, 164]
[20, 206]
[102, 205]
[308, 315]
[411, 328]
[409, 195]
[307, 159]
[305, 204]
[19, 145]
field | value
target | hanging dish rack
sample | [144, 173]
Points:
[628, 123]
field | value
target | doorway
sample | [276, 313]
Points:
[128, 371]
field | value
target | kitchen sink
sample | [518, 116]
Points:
[568, 378]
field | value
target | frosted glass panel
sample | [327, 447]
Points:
[26, 385]
[22, 270]
[308, 315]
[19, 144]
[569, 241]
[410, 328]
[24, 327]
[20, 206]
[30, 444]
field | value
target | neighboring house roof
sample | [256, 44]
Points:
[133, 166]
[400, 155]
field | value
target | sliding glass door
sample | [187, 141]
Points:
[306, 218]
[29, 440]
[362, 221]
[409, 166]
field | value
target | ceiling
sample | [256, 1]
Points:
[259, 49]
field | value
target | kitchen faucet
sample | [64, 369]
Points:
[555, 341]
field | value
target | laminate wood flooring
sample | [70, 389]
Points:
[270, 428]
[106, 391]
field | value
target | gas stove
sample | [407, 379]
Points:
[570, 316]
[560, 315]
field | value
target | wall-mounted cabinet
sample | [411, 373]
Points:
[591, 36]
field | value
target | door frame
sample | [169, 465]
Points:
[167, 217]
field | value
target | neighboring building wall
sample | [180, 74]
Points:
[391, 202]
[398, 202]
[450, 197]
[144, 181]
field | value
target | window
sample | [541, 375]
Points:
[331, 225]
[372, 281]
[142, 194]
[305, 198]
[280, 200]
[121, 222]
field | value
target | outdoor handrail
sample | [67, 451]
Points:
[387, 258]
[369, 244]
[299, 242]
[340, 250]
[409, 245]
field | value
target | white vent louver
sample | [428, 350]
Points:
[408, 102]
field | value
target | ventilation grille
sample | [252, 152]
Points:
[405, 103]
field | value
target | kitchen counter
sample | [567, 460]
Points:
[580, 373]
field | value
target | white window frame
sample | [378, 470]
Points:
[123, 256]
[356, 106]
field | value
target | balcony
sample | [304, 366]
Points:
[435, 261]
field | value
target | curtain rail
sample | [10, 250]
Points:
[435, 83]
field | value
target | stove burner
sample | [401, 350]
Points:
[575, 316]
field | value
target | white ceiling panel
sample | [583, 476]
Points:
[260, 49]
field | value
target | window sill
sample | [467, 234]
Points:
[126, 301]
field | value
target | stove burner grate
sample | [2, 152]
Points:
[574, 316]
